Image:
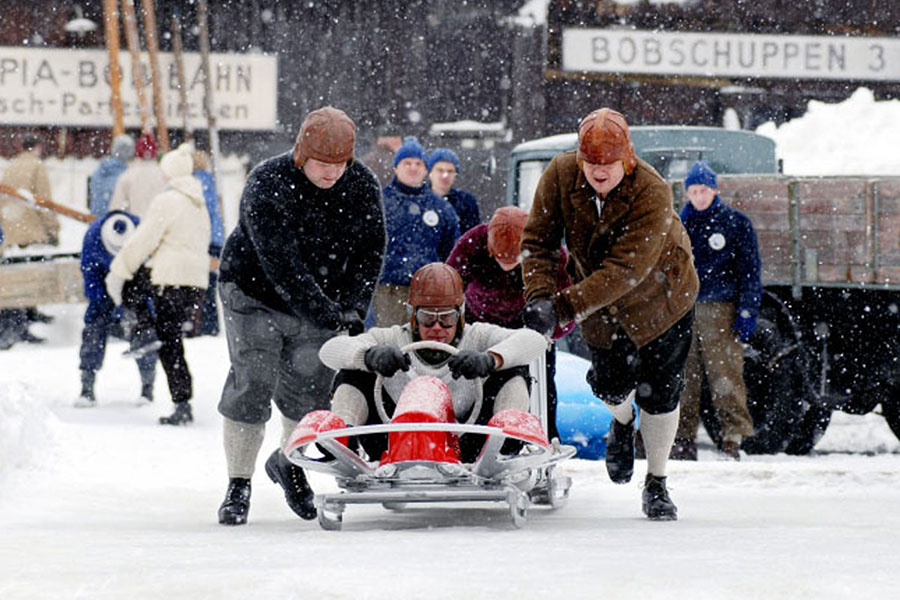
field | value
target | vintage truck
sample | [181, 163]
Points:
[828, 334]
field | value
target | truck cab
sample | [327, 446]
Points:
[670, 149]
[829, 323]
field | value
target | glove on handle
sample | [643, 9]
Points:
[386, 360]
[470, 364]
[541, 316]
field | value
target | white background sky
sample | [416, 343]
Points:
[104, 503]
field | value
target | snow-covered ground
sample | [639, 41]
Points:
[104, 503]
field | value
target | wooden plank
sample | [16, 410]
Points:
[34, 284]
[159, 110]
[111, 28]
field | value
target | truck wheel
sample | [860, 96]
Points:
[810, 430]
[891, 411]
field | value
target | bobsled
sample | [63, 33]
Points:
[422, 463]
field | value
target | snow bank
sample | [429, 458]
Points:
[26, 425]
[853, 137]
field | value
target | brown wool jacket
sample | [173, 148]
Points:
[633, 264]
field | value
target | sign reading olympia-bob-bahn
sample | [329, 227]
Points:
[716, 54]
[53, 86]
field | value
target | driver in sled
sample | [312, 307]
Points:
[498, 355]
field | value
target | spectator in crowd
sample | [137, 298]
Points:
[489, 261]
[381, 157]
[103, 240]
[495, 354]
[299, 267]
[141, 182]
[174, 234]
[421, 229]
[443, 169]
[726, 255]
[634, 289]
[209, 315]
[103, 180]
[25, 223]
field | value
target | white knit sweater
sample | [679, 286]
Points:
[517, 347]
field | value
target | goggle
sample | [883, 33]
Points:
[445, 318]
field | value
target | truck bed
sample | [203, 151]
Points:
[822, 231]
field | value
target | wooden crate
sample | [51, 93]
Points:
[822, 230]
[37, 283]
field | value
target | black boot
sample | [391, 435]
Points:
[297, 493]
[236, 505]
[181, 416]
[86, 398]
[142, 343]
[620, 451]
[656, 502]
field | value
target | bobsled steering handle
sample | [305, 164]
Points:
[428, 345]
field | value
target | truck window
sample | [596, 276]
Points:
[529, 173]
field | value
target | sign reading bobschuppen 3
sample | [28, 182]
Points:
[718, 54]
[55, 86]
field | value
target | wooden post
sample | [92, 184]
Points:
[178, 52]
[208, 104]
[159, 108]
[111, 27]
[137, 74]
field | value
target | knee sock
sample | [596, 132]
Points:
[287, 428]
[658, 432]
[350, 404]
[242, 443]
[513, 394]
[622, 412]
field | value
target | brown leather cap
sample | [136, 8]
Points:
[603, 138]
[505, 233]
[327, 134]
[436, 284]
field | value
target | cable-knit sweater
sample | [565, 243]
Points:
[517, 347]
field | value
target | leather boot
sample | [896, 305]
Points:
[299, 496]
[620, 451]
[236, 505]
[656, 502]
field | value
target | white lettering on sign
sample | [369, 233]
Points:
[54, 86]
[731, 54]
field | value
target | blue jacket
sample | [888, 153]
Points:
[466, 207]
[303, 250]
[421, 227]
[103, 183]
[726, 256]
[217, 228]
[95, 260]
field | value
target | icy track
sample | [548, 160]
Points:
[104, 503]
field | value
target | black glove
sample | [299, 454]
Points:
[386, 360]
[352, 322]
[540, 316]
[470, 364]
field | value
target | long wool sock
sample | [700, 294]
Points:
[287, 428]
[242, 443]
[622, 412]
[658, 432]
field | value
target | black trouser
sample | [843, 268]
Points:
[172, 308]
[655, 371]
[101, 324]
[469, 444]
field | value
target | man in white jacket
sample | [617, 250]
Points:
[174, 234]
[498, 355]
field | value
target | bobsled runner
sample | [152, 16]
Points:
[422, 462]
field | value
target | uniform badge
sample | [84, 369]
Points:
[717, 241]
[430, 218]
